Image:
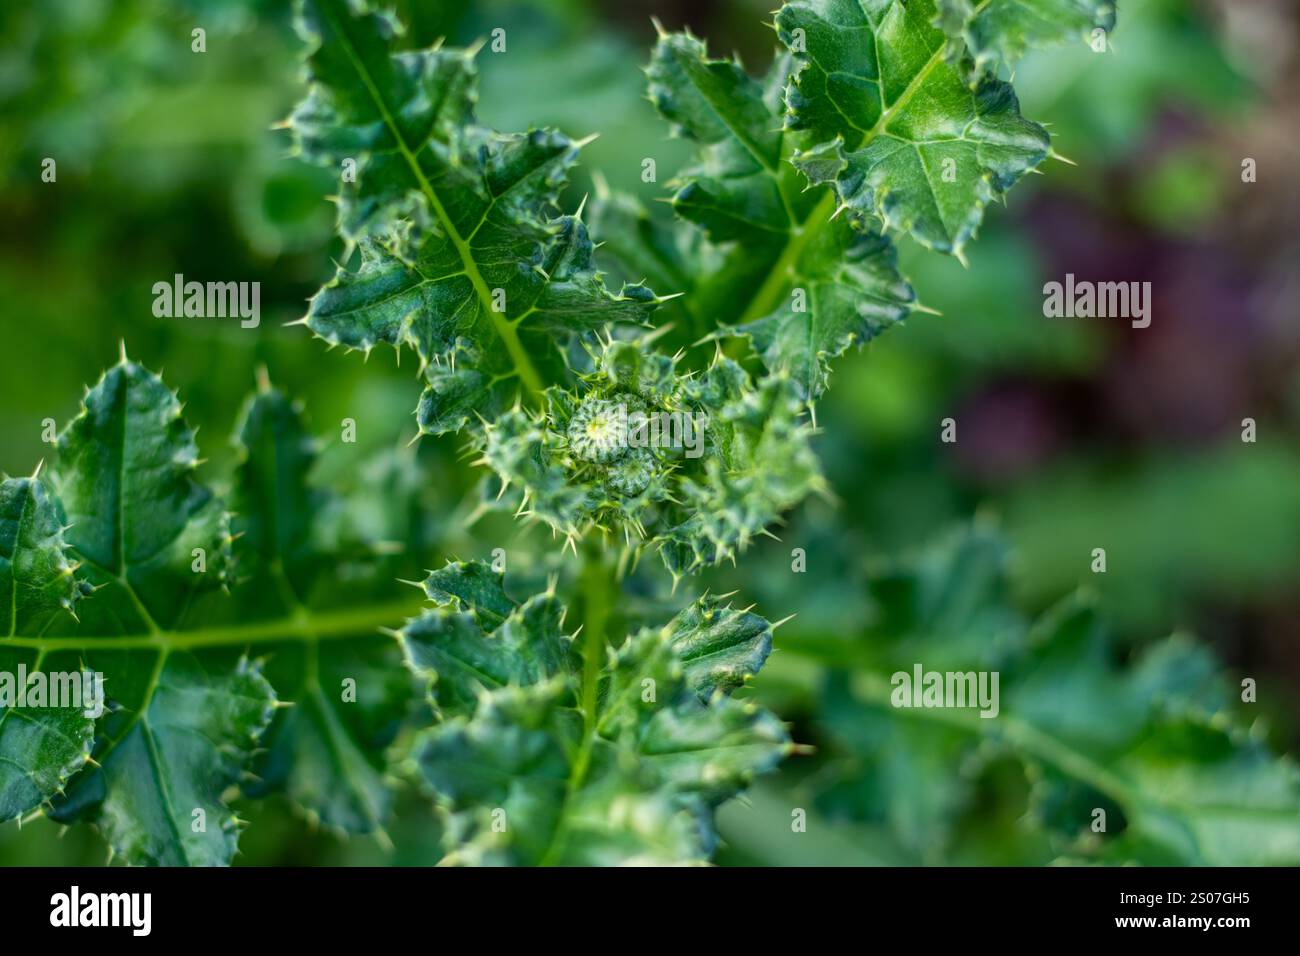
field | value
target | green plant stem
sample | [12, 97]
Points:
[598, 587]
[774, 286]
[315, 626]
[599, 591]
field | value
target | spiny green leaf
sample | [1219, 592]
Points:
[462, 254]
[759, 464]
[35, 572]
[528, 776]
[176, 603]
[705, 744]
[152, 540]
[468, 652]
[851, 292]
[473, 586]
[897, 130]
[377, 109]
[736, 189]
[177, 744]
[41, 746]
[125, 477]
[819, 285]
[719, 646]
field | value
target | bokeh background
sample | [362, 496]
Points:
[1073, 433]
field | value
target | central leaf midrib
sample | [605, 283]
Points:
[317, 626]
[337, 742]
[164, 793]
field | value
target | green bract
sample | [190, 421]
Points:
[696, 464]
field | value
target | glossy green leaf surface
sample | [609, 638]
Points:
[826, 285]
[899, 131]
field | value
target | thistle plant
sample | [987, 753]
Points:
[255, 639]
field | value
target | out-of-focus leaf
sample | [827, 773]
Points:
[1005, 30]
[327, 750]
[1151, 742]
